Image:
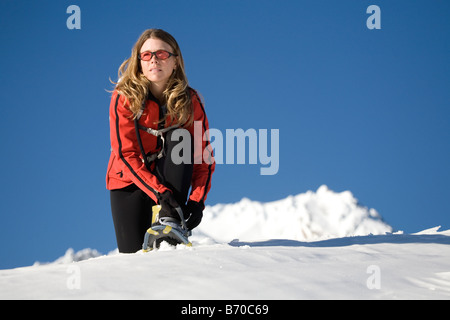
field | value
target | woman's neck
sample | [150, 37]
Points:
[158, 91]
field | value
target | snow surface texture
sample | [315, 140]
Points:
[310, 246]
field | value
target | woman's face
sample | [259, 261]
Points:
[156, 70]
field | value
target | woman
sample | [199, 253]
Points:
[152, 94]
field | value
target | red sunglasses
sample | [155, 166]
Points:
[160, 54]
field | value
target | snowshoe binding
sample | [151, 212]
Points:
[166, 229]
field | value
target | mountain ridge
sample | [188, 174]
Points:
[305, 216]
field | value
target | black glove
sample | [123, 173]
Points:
[193, 213]
[168, 205]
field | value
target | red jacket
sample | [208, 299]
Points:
[125, 164]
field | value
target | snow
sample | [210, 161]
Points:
[316, 245]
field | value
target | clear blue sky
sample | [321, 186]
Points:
[357, 109]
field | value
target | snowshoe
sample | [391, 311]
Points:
[166, 229]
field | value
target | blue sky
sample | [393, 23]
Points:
[357, 109]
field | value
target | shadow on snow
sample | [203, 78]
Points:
[348, 241]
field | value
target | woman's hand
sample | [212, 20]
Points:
[194, 214]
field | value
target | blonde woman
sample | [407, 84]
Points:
[150, 102]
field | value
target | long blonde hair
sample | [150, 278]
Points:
[135, 86]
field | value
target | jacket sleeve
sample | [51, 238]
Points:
[126, 148]
[204, 164]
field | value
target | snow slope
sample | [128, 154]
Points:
[394, 266]
[324, 261]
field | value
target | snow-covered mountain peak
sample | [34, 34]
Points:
[305, 216]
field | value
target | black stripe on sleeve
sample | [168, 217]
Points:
[123, 158]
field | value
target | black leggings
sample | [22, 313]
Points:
[132, 208]
[131, 211]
